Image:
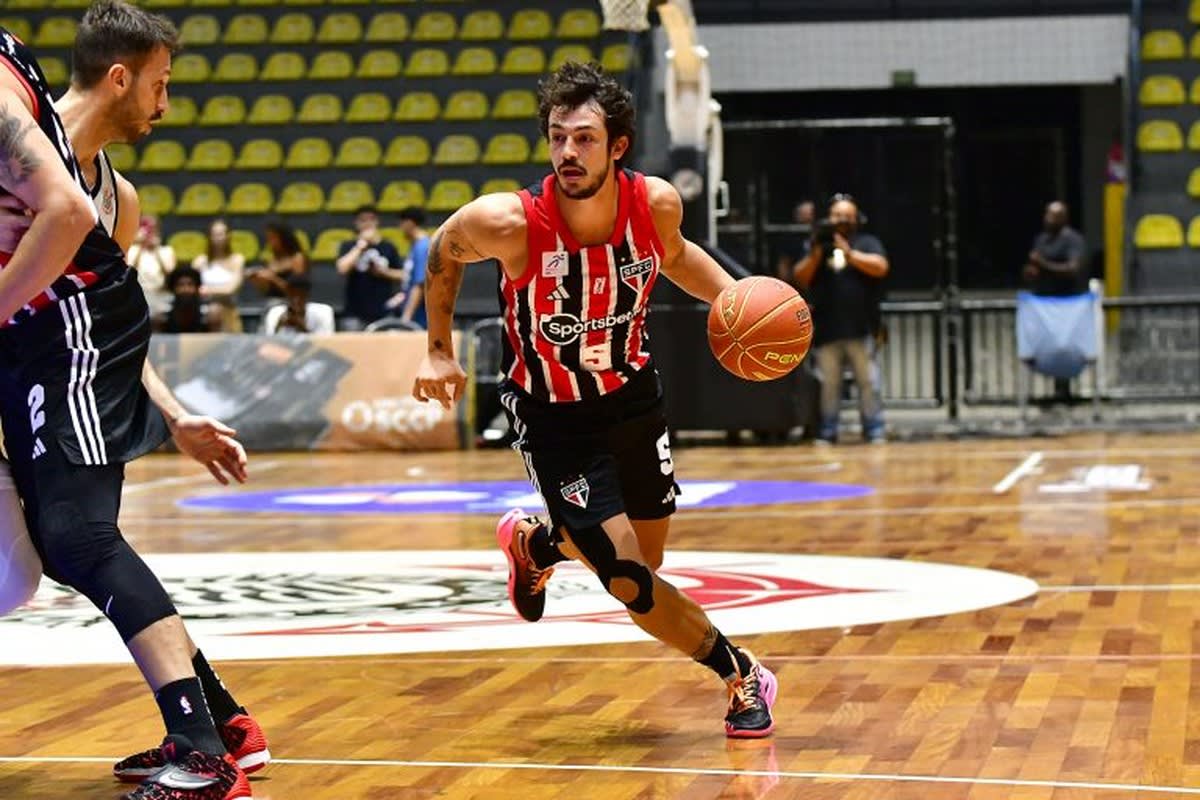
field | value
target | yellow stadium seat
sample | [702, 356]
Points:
[122, 156]
[1159, 136]
[348, 196]
[1193, 232]
[387, 27]
[294, 27]
[329, 241]
[256, 3]
[55, 31]
[157, 4]
[340, 28]
[468, 104]
[1195, 92]
[578, 23]
[18, 27]
[77, 4]
[1193, 184]
[250, 198]
[211, 155]
[55, 70]
[407, 151]
[358, 152]
[181, 112]
[190, 68]
[1158, 90]
[418, 107]
[427, 63]
[187, 245]
[303, 197]
[272, 109]
[379, 65]
[481, 26]
[580, 53]
[399, 195]
[212, 3]
[304, 2]
[236, 68]
[223, 109]
[1162, 46]
[1158, 232]
[246, 29]
[616, 58]
[530, 24]
[260, 154]
[435, 26]
[309, 152]
[156, 199]
[1194, 12]
[284, 66]
[1194, 47]
[244, 243]
[26, 5]
[331, 65]
[473, 61]
[162, 156]
[506, 148]
[498, 185]
[541, 152]
[523, 60]
[515, 104]
[369, 107]
[456, 150]
[320, 109]
[1193, 139]
[201, 200]
[199, 30]
[450, 195]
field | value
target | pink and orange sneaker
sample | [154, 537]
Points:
[526, 583]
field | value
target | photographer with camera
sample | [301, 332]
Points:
[842, 276]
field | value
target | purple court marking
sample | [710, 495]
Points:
[496, 497]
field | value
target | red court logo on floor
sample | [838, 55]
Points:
[297, 605]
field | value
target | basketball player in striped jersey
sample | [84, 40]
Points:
[579, 254]
[72, 351]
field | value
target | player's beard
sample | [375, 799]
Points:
[132, 125]
[590, 189]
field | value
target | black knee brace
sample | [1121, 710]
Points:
[95, 560]
[599, 550]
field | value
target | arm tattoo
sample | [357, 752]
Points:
[437, 344]
[706, 646]
[456, 249]
[434, 266]
[17, 161]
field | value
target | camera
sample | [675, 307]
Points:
[822, 234]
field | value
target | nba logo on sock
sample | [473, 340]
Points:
[576, 492]
[185, 705]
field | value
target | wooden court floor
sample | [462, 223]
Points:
[1086, 689]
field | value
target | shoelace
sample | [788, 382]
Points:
[743, 693]
[538, 579]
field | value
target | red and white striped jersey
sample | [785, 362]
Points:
[575, 321]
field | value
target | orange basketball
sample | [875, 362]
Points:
[759, 328]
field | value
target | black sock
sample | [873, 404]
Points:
[725, 659]
[185, 711]
[220, 701]
[543, 549]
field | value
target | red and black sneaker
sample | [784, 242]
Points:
[192, 775]
[243, 738]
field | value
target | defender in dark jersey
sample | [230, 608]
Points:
[72, 352]
[579, 254]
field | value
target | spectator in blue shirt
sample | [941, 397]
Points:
[412, 298]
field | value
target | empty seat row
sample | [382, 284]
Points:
[1166, 136]
[207, 199]
[1165, 232]
[382, 64]
[1167, 90]
[38, 5]
[311, 152]
[324, 108]
[343, 27]
[1168, 45]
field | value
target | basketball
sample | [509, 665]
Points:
[759, 328]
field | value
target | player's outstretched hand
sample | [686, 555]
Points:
[439, 378]
[212, 444]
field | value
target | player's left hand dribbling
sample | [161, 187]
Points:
[211, 443]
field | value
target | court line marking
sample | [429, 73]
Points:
[842, 777]
[1026, 467]
[199, 477]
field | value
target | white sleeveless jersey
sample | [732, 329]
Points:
[104, 193]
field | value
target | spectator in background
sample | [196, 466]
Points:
[298, 315]
[794, 246]
[372, 268]
[1056, 263]
[187, 312]
[221, 275]
[843, 273]
[412, 298]
[153, 261]
[285, 257]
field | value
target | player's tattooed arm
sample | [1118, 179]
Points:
[18, 161]
[706, 645]
[443, 279]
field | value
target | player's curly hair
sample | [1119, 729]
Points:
[574, 84]
[113, 30]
